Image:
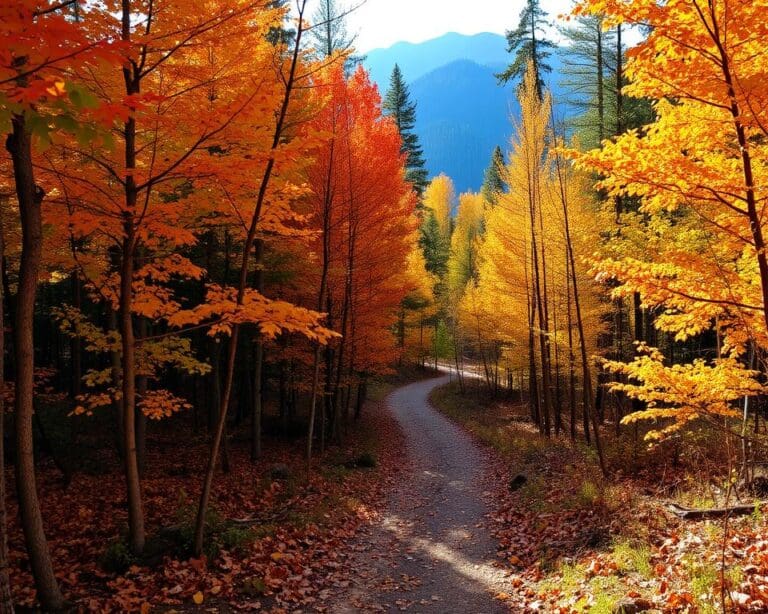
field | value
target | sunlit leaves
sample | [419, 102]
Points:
[677, 395]
[699, 173]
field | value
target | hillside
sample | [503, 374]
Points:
[459, 130]
[462, 112]
[418, 59]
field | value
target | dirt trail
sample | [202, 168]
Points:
[432, 551]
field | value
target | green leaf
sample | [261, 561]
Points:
[66, 123]
[81, 97]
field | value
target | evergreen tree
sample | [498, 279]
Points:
[398, 106]
[528, 43]
[435, 246]
[493, 183]
[590, 69]
[328, 34]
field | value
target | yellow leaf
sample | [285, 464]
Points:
[198, 597]
[276, 556]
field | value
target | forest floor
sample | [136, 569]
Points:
[440, 523]
[277, 542]
[572, 541]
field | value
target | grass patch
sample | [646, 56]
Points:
[633, 557]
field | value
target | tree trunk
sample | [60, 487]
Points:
[362, 393]
[202, 509]
[30, 197]
[586, 375]
[571, 357]
[130, 456]
[125, 321]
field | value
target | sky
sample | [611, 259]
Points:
[381, 23]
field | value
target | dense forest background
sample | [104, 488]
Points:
[221, 243]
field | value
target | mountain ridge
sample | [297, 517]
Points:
[462, 112]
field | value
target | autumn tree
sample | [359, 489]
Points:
[362, 209]
[462, 262]
[697, 171]
[435, 232]
[37, 99]
[328, 34]
[531, 254]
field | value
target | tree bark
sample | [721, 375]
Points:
[30, 197]
[586, 375]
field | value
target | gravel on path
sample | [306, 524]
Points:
[432, 550]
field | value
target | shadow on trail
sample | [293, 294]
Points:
[432, 551]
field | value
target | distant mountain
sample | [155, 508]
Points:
[417, 59]
[461, 115]
[462, 112]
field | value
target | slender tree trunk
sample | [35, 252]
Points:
[142, 385]
[533, 390]
[125, 299]
[205, 494]
[639, 334]
[558, 391]
[571, 357]
[313, 409]
[326, 413]
[586, 375]
[459, 373]
[30, 197]
[600, 84]
[362, 394]
[540, 310]
[619, 82]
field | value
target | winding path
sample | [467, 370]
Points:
[432, 551]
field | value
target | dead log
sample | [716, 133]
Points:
[689, 513]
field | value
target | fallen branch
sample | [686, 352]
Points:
[689, 513]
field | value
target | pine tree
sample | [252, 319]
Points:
[493, 183]
[398, 106]
[528, 43]
[329, 35]
[435, 246]
[590, 70]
